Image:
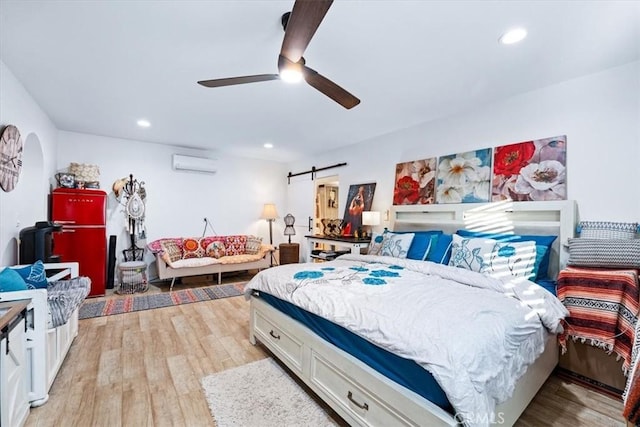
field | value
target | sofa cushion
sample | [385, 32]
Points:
[171, 252]
[191, 248]
[253, 245]
[216, 249]
[235, 245]
[239, 259]
[194, 262]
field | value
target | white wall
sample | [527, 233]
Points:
[27, 203]
[599, 113]
[177, 201]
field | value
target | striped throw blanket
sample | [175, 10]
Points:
[603, 308]
[64, 297]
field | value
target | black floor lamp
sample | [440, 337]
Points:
[270, 213]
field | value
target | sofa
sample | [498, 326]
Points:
[48, 339]
[192, 256]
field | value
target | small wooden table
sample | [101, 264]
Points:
[289, 253]
[355, 244]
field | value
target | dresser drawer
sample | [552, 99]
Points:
[363, 405]
[284, 344]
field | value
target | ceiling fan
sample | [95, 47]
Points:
[300, 25]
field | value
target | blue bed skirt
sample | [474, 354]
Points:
[400, 370]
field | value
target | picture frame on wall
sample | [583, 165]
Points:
[359, 199]
[464, 177]
[531, 170]
[415, 182]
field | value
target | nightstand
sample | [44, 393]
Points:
[289, 253]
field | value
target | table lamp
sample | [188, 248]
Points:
[370, 218]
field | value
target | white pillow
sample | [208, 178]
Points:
[396, 245]
[497, 259]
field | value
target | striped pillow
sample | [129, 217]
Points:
[608, 253]
[607, 230]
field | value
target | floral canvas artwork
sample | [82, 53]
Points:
[465, 177]
[415, 182]
[531, 170]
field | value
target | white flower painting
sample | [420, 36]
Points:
[464, 177]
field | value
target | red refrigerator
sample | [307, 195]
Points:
[83, 238]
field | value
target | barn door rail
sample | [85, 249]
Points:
[313, 171]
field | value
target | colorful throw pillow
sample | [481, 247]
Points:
[421, 243]
[235, 245]
[34, 275]
[543, 248]
[11, 281]
[216, 249]
[607, 230]
[191, 248]
[171, 252]
[440, 251]
[253, 244]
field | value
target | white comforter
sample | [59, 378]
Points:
[476, 335]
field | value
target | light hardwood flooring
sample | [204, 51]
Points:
[144, 369]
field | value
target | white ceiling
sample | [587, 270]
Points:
[98, 66]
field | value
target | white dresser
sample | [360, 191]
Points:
[14, 402]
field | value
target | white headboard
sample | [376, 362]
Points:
[539, 218]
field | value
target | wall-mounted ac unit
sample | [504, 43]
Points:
[191, 163]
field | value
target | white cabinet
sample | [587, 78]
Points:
[14, 402]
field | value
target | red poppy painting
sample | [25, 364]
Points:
[415, 182]
[530, 170]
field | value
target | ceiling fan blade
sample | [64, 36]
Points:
[329, 88]
[239, 80]
[305, 18]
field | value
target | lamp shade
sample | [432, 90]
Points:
[370, 218]
[269, 212]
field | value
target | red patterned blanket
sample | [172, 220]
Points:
[603, 308]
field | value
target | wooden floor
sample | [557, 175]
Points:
[144, 369]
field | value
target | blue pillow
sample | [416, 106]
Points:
[34, 275]
[543, 248]
[11, 281]
[441, 251]
[420, 244]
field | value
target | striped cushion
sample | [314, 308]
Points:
[609, 253]
[607, 230]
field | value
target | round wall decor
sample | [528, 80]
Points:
[11, 147]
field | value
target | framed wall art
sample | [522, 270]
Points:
[359, 199]
[464, 177]
[531, 170]
[415, 182]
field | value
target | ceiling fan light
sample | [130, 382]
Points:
[291, 75]
[513, 36]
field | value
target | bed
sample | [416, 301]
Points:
[374, 372]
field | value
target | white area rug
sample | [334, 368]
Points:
[261, 394]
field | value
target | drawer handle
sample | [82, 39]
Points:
[361, 406]
[274, 335]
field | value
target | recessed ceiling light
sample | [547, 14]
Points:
[513, 36]
[144, 123]
[268, 145]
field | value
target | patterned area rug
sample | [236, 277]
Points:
[262, 394]
[131, 303]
